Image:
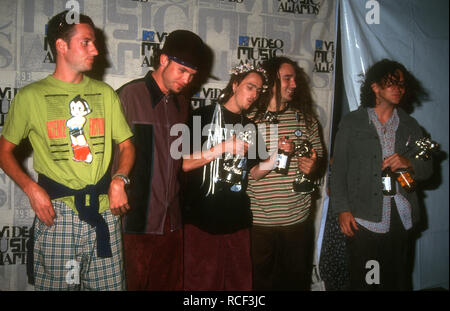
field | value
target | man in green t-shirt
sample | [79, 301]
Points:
[71, 121]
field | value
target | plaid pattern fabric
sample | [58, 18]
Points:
[65, 254]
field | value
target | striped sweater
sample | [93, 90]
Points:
[273, 202]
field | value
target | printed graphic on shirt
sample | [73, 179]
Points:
[79, 108]
[69, 119]
[96, 123]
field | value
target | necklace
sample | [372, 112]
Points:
[272, 116]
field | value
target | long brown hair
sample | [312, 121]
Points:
[302, 100]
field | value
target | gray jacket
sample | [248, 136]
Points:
[355, 182]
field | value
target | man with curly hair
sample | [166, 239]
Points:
[376, 136]
[217, 214]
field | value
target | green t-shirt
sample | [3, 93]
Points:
[71, 127]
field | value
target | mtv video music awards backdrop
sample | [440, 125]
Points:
[237, 31]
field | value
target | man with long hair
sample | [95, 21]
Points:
[282, 232]
[217, 213]
[376, 137]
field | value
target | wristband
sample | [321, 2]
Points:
[125, 178]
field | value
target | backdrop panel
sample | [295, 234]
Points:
[237, 31]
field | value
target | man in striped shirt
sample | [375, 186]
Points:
[282, 234]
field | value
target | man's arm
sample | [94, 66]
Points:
[198, 159]
[308, 165]
[338, 182]
[39, 199]
[263, 168]
[118, 200]
[422, 169]
[347, 222]
[312, 165]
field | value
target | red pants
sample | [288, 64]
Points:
[216, 261]
[154, 262]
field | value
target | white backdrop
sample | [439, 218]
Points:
[414, 33]
[236, 30]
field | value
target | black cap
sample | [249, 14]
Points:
[184, 47]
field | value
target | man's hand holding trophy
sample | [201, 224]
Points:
[422, 149]
[234, 158]
[307, 159]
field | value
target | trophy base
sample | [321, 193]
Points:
[303, 187]
[230, 178]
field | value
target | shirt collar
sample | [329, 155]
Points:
[392, 122]
[156, 95]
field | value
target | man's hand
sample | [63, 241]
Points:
[396, 162]
[308, 165]
[39, 198]
[198, 159]
[118, 199]
[235, 145]
[346, 222]
[40, 203]
[287, 145]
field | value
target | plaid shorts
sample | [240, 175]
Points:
[65, 254]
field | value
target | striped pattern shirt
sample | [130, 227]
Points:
[273, 201]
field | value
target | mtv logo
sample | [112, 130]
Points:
[148, 36]
[244, 40]
[319, 44]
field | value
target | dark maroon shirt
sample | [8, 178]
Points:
[154, 192]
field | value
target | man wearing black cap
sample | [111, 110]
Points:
[153, 104]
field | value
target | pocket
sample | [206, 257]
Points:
[61, 210]
[364, 143]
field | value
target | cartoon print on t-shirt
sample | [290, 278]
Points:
[78, 109]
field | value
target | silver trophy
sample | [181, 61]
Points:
[302, 183]
[422, 149]
[234, 164]
[425, 146]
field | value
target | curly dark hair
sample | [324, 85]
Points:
[380, 73]
[302, 100]
[57, 27]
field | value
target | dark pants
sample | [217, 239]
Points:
[282, 257]
[154, 262]
[216, 261]
[389, 250]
